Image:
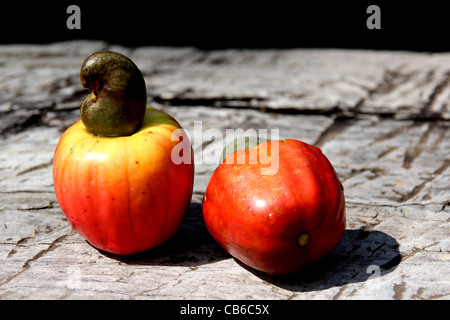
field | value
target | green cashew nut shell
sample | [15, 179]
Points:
[117, 100]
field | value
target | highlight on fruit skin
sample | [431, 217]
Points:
[117, 100]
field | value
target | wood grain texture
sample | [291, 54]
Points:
[382, 118]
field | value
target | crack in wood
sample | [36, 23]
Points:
[36, 167]
[26, 265]
[418, 188]
[388, 83]
[438, 89]
[415, 151]
[393, 133]
[337, 127]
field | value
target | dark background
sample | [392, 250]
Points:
[415, 26]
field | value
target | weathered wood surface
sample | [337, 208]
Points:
[382, 118]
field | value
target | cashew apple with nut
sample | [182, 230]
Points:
[113, 173]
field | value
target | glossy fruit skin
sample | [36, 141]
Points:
[258, 218]
[124, 194]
